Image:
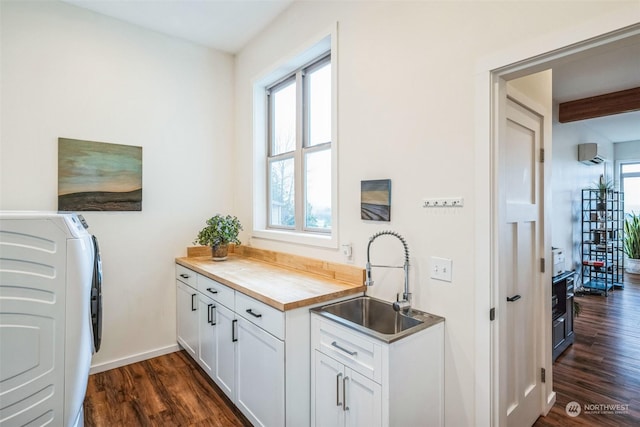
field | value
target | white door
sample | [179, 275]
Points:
[225, 350]
[363, 400]
[520, 250]
[187, 321]
[328, 397]
[206, 330]
[260, 367]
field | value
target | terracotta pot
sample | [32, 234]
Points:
[219, 253]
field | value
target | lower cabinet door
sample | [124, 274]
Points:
[187, 318]
[206, 331]
[260, 380]
[225, 350]
[328, 394]
[343, 397]
[363, 400]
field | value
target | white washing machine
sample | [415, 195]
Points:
[50, 320]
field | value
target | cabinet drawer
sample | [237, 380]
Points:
[219, 292]
[260, 314]
[352, 349]
[186, 276]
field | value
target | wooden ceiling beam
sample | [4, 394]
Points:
[623, 101]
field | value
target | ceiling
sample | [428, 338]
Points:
[225, 25]
[228, 25]
[605, 69]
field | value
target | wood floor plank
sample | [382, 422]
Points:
[603, 365]
[170, 390]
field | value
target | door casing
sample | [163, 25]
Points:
[493, 73]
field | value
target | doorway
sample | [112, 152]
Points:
[496, 81]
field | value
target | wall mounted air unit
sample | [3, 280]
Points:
[588, 154]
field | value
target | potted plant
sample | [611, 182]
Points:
[632, 242]
[219, 232]
[603, 186]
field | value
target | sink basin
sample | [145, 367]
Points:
[377, 318]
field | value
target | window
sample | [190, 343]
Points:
[299, 155]
[630, 185]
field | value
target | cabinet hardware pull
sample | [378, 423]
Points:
[513, 298]
[344, 394]
[193, 307]
[184, 276]
[338, 403]
[213, 291]
[214, 320]
[249, 310]
[233, 330]
[209, 313]
[350, 353]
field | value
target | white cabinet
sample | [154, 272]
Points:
[225, 360]
[259, 356]
[187, 317]
[358, 380]
[260, 376]
[206, 333]
[343, 397]
[363, 400]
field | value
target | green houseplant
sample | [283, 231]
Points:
[603, 186]
[632, 242]
[219, 232]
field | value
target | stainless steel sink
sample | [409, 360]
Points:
[377, 318]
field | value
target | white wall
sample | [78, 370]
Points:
[406, 112]
[569, 177]
[406, 109]
[629, 150]
[67, 72]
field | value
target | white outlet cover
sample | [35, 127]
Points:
[441, 269]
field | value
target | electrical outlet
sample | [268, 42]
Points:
[347, 251]
[441, 269]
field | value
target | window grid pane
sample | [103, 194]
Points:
[283, 119]
[318, 190]
[319, 105]
[282, 193]
[630, 167]
[631, 187]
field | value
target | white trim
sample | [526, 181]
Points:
[312, 49]
[526, 58]
[139, 357]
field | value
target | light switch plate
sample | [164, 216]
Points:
[441, 269]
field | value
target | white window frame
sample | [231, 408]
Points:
[306, 56]
[622, 175]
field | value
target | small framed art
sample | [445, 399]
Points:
[375, 200]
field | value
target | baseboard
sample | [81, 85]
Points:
[133, 359]
[551, 400]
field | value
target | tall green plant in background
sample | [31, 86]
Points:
[632, 236]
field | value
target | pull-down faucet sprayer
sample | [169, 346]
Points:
[405, 303]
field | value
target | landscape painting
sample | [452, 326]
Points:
[97, 176]
[375, 200]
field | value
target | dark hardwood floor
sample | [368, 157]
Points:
[602, 367]
[170, 390]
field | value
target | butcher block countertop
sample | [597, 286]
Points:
[283, 281]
